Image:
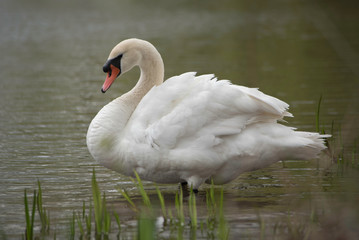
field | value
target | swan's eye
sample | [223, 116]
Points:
[117, 61]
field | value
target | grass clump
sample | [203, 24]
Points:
[44, 216]
[102, 216]
[183, 224]
[29, 231]
[37, 203]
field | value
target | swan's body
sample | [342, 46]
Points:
[189, 128]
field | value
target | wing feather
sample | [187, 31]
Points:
[197, 111]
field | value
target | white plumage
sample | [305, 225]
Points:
[190, 128]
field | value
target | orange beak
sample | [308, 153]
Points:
[111, 76]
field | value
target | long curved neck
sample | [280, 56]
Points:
[112, 118]
[152, 73]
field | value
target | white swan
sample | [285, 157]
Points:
[189, 128]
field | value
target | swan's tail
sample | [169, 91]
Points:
[310, 145]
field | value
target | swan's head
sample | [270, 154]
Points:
[123, 57]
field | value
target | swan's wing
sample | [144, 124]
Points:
[197, 112]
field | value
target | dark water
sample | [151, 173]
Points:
[50, 79]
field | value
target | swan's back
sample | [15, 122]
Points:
[187, 107]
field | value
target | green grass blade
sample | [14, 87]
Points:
[31, 229]
[118, 224]
[79, 224]
[211, 201]
[223, 229]
[129, 200]
[44, 218]
[317, 115]
[179, 207]
[72, 227]
[27, 217]
[145, 198]
[162, 202]
[97, 204]
[88, 220]
[83, 209]
[180, 214]
[146, 227]
[106, 216]
[39, 200]
[192, 208]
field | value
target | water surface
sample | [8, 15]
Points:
[50, 79]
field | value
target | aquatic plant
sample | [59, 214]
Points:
[192, 209]
[145, 198]
[44, 215]
[29, 231]
[162, 203]
[102, 216]
[317, 115]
